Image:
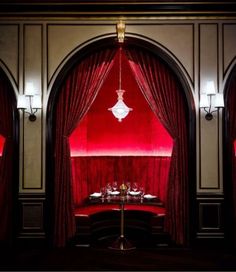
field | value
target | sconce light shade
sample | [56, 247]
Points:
[36, 102]
[204, 102]
[22, 102]
[219, 100]
[29, 89]
[210, 88]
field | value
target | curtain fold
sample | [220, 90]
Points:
[6, 162]
[92, 173]
[230, 107]
[165, 97]
[75, 98]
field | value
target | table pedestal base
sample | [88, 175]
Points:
[122, 243]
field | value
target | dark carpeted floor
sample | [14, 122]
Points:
[94, 259]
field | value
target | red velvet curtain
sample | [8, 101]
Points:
[230, 107]
[165, 96]
[76, 96]
[92, 173]
[6, 162]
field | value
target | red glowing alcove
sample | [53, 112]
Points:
[235, 148]
[2, 142]
[140, 134]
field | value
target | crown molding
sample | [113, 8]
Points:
[166, 8]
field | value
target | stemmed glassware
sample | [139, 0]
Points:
[135, 186]
[108, 189]
[142, 192]
[128, 185]
[103, 192]
[114, 186]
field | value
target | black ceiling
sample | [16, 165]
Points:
[115, 7]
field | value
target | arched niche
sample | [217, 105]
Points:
[229, 143]
[175, 68]
[9, 156]
[2, 144]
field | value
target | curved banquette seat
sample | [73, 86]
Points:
[96, 223]
[93, 209]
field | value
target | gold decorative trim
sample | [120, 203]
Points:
[120, 28]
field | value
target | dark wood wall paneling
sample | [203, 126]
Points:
[210, 212]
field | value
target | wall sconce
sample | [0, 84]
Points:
[30, 102]
[210, 100]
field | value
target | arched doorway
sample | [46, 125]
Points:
[8, 159]
[107, 48]
[230, 158]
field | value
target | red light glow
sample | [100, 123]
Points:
[139, 134]
[2, 142]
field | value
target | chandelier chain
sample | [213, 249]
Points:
[120, 68]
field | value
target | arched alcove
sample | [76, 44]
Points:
[230, 157]
[187, 100]
[8, 159]
[2, 143]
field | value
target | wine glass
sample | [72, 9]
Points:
[114, 186]
[135, 186]
[103, 191]
[142, 192]
[108, 189]
[128, 185]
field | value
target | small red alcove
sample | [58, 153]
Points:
[2, 142]
[235, 147]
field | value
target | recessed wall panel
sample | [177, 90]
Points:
[63, 39]
[209, 157]
[9, 44]
[178, 39]
[32, 130]
[229, 42]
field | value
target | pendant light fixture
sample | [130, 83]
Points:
[120, 110]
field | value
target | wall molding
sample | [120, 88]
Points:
[219, 9]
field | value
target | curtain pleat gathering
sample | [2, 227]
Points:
[75, 98]
[232, 138]
[6, 162]
[164, 95]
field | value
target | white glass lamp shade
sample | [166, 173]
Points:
[204, 102]
[22, 102]
[36, 102]
[120, 110]
[29, 89]
[219, 101]
[210, 88]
